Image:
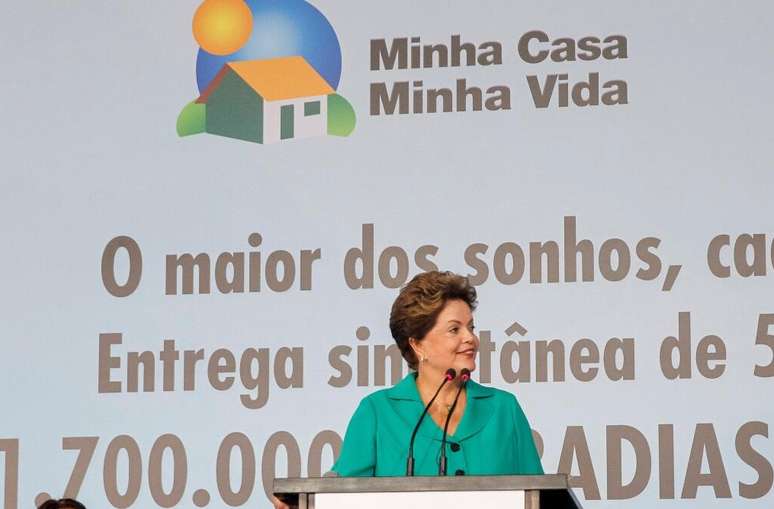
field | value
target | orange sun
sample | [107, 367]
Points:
[222, 27]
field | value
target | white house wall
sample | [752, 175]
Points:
[303, 127]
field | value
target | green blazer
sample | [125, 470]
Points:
[492, 438]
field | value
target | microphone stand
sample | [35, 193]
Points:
[464, 376]
[451, 374]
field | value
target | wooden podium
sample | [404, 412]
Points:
[506, 491]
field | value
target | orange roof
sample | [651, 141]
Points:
[282, 78]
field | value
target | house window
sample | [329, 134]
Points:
[311, 108]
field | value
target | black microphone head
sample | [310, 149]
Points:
[451, 374]
[465, 374]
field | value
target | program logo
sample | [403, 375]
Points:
[267, 71]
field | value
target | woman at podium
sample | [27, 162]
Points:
[487, 432]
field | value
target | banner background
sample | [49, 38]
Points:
[90, 97]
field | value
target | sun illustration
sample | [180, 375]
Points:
[222, 27]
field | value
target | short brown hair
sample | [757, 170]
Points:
[62, 503]
[420, 302]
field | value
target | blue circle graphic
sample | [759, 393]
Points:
[281, 28]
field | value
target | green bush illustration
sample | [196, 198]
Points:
[192, 119]
[341, 116]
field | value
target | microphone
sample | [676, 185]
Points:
[451, 374]
[464, 377]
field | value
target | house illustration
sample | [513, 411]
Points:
[266, 101]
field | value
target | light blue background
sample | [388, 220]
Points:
[89, 98]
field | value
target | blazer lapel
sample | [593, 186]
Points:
[405, 400]
[478, 411]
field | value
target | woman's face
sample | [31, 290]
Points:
[451, 343]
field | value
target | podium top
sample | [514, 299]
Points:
[419, 483]
[554, 488]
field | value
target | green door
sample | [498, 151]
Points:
[286, 122]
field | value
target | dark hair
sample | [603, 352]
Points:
[420, 302]
[62, 503]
